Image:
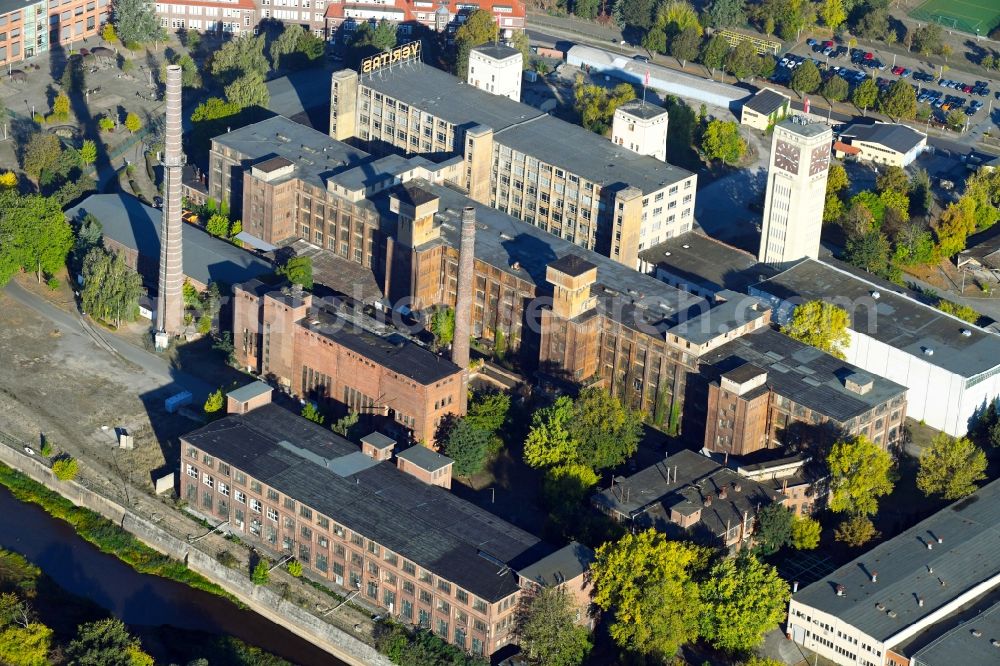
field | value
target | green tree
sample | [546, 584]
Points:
[774, 528]
[856, 531]
[215, 402]
[586, 9]
[132, 122]
[982, 195]
[892, 178]
[135, 22]
[963, 312]
[833, 13]
[106, 124]
[835, 89]
[714, 52]
[191, 39]
[741, 61]
[920, 190]
[606, 432]
[108, 33]
[860, 473]
[596, 105]
[287, 42]
[549, 635]
[549, 442]
[294, 568]
[469, 447]
[111, 290]
[927, 39]
[65, 468]
[443, 326]
[678, 15]
[380, 37]
[805, 533]
[727, 14]
[820, 324]
[865, 95]
[27, 645]
[951, 467]
[954, 226]
[479, 28]
[42, 154]
[899, 100]
[721, 140]
[218, 226]
[836, 183]
[646, 582]
[806, 78]
[88, 152]
[34, 235]
[190, 73]
[742, 599]
[634, 13]
[298, 270]
[260, 574]
[869, 251]
[567, 486]
[346, 425]
[248, 91]
[60, 106]
[488, 410]
[239, 56]
[311, 412]
[956, 119]
[655, 41]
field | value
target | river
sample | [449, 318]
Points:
[138, 599]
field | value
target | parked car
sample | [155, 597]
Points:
[811, 42]
[923, 76]
[640, 58]
[897, 70]
[905, 73]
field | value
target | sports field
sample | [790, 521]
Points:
[964, 15]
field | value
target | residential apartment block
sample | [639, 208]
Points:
[362, 523]
[324, 355]
[689, 495]
[547, 172]
[768, 391]
[899, 603]
[229, 17]
[342, 17]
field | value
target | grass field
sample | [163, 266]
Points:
[964, 15]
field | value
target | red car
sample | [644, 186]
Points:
[869, 55]
[828, 44]
[966, 88]
[897, 70]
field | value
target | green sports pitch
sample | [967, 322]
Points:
[971, 16]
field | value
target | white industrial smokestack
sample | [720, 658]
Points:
[169, 306]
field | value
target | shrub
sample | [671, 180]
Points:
[65, 469]
[295, 568]
[53, 283]
[260, 574]
[227, 559]
[46, 449]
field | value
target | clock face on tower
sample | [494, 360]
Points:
[819, 160]
[786, 156]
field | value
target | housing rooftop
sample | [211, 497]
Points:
[701, 261]
[684, 483]
[766, 102]
[524, 128]
[936, 560]
[421, 522]
[895, 319]
[804, 374]
[899, 137]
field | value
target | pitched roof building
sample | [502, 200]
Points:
[887, 143]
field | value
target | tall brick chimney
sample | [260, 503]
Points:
[170, 303]
[463, 302]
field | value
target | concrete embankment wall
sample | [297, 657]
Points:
[260, 599]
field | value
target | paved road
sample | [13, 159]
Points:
[152, 364]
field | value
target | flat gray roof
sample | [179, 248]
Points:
[316, 156]
[424, 458]
[803, 374]
[804, 127]
[135, 225]
[971, 642]
[378, 440]
[640, 108]
[707, 263]
[968, 554]
[565, 564]
[249, 391]
[498, 51]
[895, 319]
[423, 523]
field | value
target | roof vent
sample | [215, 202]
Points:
[686, 246]
[840, 590]
[930, 546]
[940, 539]
[930, 569]
[666, 254]
[737, 487]
[876, 295]
[880, 606]
[928, 351]
[723, 493]
[874, 576]
[977, 633]
[920, 602]
[995, 643]
[516, 265]
[966, 333]
[708, 500]
[891, 613]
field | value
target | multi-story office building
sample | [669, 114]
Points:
[496, 69]
[357, 521]
[768, 391]
[641, 127]
[951, 368]
[342, 16]
[24, 31]
[75, 20]
[891, 605]
[324, 355]
[796, 191]
[550, 173]
[229, 17]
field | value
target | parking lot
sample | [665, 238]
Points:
[940, 95]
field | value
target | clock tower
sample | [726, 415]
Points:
[796, 191]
